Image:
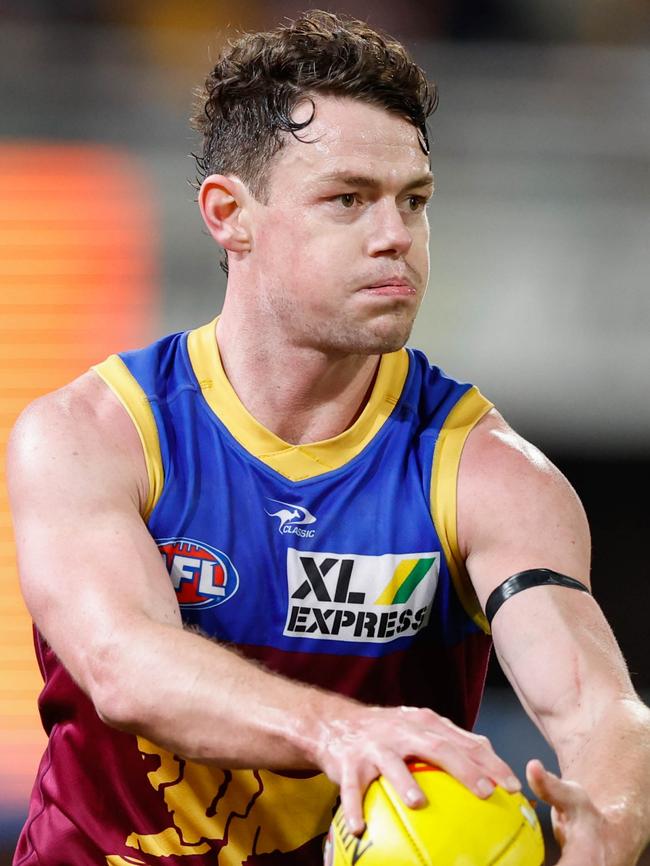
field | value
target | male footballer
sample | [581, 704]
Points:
[295, 540]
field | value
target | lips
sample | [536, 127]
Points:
[393, 286]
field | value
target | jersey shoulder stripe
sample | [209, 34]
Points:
[459, 423]
[126, 388]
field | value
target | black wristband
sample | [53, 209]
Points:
[526, 580]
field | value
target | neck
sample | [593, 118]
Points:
[299, 393]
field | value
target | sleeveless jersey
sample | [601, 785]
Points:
[334, 563]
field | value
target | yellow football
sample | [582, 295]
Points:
[455, 828]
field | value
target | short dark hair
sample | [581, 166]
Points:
[244, 110]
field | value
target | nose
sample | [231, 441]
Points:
[389, 235]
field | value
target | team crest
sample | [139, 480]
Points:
[201, 575]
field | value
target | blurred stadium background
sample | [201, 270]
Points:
[540, 287]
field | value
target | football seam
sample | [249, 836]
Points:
[505, 850]
[425, 861]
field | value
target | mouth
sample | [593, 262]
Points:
[392, 287]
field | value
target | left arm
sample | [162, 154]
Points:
[516, 511]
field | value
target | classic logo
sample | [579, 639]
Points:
[201, 575]
[292, 518]
[359, 598]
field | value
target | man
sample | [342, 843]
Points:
[293, 528]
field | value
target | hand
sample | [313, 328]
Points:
[376, 741]
[583, 831]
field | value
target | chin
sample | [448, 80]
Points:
[385, 345]
[371, 340]
[389, 336]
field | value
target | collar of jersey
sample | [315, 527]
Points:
[295, 462]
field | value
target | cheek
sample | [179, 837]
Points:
[280, 239]
[301, 248]
[420, 231]
[420, 246]
[271, 252]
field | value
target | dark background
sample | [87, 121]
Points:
[612, 492]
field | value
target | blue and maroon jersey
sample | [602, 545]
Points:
[334, 563]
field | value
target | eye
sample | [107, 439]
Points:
[416, 203]
[347, 199]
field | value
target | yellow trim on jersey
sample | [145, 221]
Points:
[128, 391]
[467, 412]
[295, 462]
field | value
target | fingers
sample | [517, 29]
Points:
[351, 792]
[400, 777]
[538, 777]
[356, 779]
[564, 796]
[489, 763]
[577, 823]
[463, 766]
[467, 756]
[379, 741]
[393, 768]
[541, 783]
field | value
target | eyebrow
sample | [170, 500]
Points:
[367, 182]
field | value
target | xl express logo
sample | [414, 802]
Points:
[359, 598]
[201, 575]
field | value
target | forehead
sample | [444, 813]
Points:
[347, 135]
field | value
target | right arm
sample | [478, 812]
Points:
[106, 606]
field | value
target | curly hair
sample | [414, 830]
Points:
[244, 110]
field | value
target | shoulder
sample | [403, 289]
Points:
[495, 453]
[516, 510]
[441, 399]
[85, 400]
[81, 428]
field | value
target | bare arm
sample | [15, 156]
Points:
[76, 470]
[516, 511]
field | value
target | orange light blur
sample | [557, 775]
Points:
[76, 284]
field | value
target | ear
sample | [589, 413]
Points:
[222, 202]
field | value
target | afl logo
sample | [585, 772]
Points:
[201, 575]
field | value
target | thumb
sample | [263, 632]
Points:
[549, 788]
[543, 783]
[563, 795]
